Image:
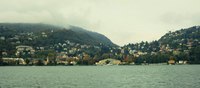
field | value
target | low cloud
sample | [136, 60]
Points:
[123, 21]
[181, 18]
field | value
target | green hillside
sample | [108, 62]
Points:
[51, 34]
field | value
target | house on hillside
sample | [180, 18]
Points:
[109, 62]
[2, 38]
[171, 62]
[182, 62]
[24, 50]
[16, 61]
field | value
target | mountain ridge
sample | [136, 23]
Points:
[94, 37]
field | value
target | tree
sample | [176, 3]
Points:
[87, 60]
[105, 55]
[27, 61]
[52, 57]
[195, 55]
[40, 62]
[97, 57]
[1, 60]
[128, 58]
[107, 61]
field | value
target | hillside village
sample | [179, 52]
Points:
[28, 48]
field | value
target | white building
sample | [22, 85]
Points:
[22, 49]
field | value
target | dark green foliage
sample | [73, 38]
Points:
[28, 27]
[59, 36]
[40, 63]
[31, 34]
[158, 58]
[185, 41]
[97, 36]
[1, 60]
[55, 34]
[195, 55]
[182, 36]
[107, 62]
[27, 61]
[182, 45]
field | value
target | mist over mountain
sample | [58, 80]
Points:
[54, 34]
[180, 45]
[97, 36]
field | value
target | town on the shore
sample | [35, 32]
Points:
[90, 55]
[172, 48]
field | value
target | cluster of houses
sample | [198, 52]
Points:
[67, 47]
[18, 61]
[23, 50]
[38, 61]
[62, 58]
[65, 60]
[173, 62]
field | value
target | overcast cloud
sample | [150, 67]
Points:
[123, 21]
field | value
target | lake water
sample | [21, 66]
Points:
[165, 76]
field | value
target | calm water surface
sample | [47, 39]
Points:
[178, 76]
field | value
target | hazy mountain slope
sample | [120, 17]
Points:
[95, 35]
[182, 37]
[55, 34]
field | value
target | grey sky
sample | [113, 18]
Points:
[123, 21]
